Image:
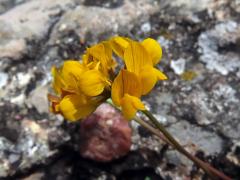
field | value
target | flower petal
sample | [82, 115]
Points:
[71, 68]
[54, 103]
[73, 108]
[93, 82]
[135, 57]
[130, 105]
[149, 77]
[154, 49]
[65, 78]
[119, 44]
[58, 82]
[125, 82]
[160, 75]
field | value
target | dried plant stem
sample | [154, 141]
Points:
[168, 138]
[152, 129]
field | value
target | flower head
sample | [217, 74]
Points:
[82, 86]
[126, 91]
[79, 90]
[140, 59]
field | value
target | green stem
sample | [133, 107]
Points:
[212, 172]
[152, 129]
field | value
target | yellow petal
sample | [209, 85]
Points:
[70, 68]
[73, 108]
[160, 75]
[93, 82]
[65, 78]
[148, 79]
[117, 89]
[149, 76]
[125, 82]
[154, 49]
[119, 44]
[108, 53]
[99, 57]
[135, 57]
[103, 53]
[54, 103]
[58, 82]
[130, 105]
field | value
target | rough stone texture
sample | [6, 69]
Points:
[213, 45]
[199, 103]
[30, 147]
[29, 21]
[96, 24]
[105, 135]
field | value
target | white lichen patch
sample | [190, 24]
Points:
[178, 66]
[3, 79]
[220, 36]
[19, 100]
[165, 43]
[146, 27]
[23, 78]
[33, 144]
[226, 92]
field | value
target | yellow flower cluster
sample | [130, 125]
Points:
[82, 86]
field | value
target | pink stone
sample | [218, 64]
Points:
[105, 135]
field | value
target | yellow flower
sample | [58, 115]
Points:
[126, 91]
[139, 61]
[119, 44]
[154, 50]
[100, 57]
[79, 90]
[64, 78]
[140, 58]
[82, 86]
[140, 75]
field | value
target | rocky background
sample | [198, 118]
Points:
[199, 104]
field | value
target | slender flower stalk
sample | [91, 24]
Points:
[212, 172]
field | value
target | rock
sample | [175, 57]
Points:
[190, 6]
[214, 42]
[119, 19]
[5, 5]
[165, 43]
[178, 66]
[104, 3]
[146, 27]
[31, 147]
[3, 79]
[21, 27]
[19, 99]
[194, 138]
[23, 79]
[201, 112]
[38, 99]
[34, 176]
[234, 155]
[105, 135]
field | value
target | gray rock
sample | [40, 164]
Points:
[3, 79]
[118, 20]
[31, 147]
[202, 113]
[194, 138]
[220, 37]
[146, 27]
[178, 66]
[38, 99]
[19, 27]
